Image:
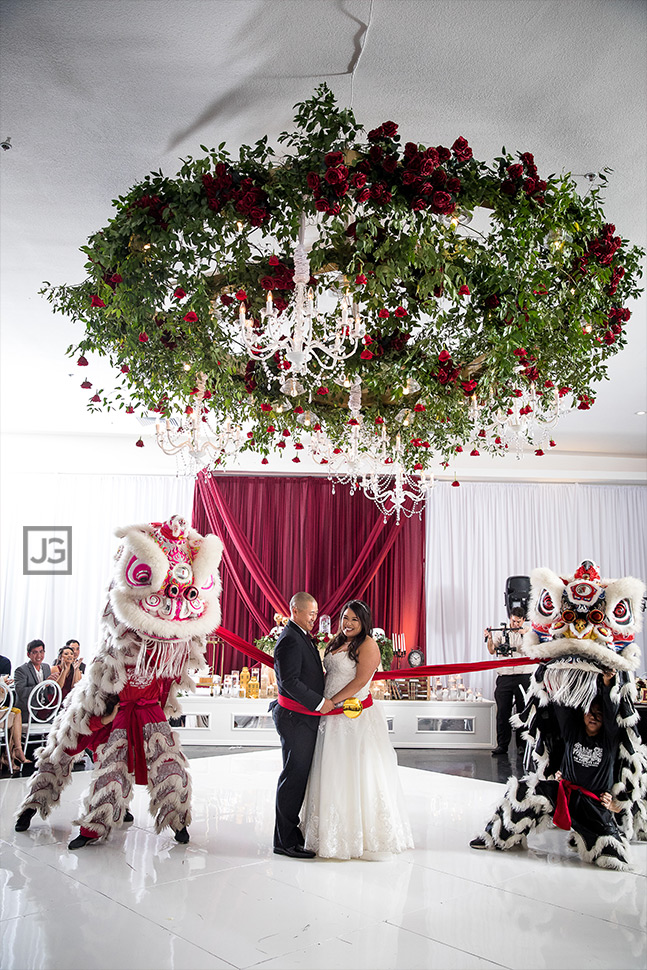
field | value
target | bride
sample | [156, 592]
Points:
[354, 805]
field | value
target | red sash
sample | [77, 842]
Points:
[561, 815]
[291, 705]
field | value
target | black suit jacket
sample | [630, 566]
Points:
[298, 668]
[5, 666]
[26, 680]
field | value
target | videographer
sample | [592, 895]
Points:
[511, 681]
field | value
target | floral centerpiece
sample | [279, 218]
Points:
[460, 320]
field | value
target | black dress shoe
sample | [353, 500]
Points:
[295, 852]
[24, 820]
[498, 751]
[80, 841]
[182, 836]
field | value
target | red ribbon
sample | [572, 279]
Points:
[291, 705]
[135, 735]
[435, 670]
[562, 815]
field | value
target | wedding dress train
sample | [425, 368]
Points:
[354, 805]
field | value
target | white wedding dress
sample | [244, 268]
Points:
[354, 805]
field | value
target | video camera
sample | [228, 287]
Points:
[504, 648]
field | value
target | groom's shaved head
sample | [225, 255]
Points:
[301, 601]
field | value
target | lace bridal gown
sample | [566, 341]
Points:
[354, 805]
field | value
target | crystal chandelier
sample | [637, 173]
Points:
[530, 420]
[302, 336]
[196, 443]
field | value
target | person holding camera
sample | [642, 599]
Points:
[512, 682]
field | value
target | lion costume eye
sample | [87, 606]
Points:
[545, 605]
[596, 616]
[622, 613]
[172, 590]
[191, 593]
[138, 573]
[568, 615]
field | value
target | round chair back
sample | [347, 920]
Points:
[6, 703]
[43, 704]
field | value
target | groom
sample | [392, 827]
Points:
[300, 680]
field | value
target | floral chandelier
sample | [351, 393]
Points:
[442, 304]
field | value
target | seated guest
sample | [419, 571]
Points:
[76, 647]
[14, 725]
[65, 671]
[31, 673]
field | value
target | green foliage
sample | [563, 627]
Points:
[543, 273]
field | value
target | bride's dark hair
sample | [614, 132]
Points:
[363, 614]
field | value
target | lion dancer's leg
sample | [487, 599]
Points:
[106, 803]
[45, 787]
[169, 780]
[596, 835]
[527, 806]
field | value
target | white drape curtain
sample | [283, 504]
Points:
[480, 533]
[57, 608]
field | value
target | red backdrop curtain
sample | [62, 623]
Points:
[282, 535]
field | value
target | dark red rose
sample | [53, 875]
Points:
[443, 376]
[527, 158]
[336, 175]
[418, 204]
[464, 290]
[267, 282]
[358, 181]
[116, 278]
[427, 168]
[462, 150]
[410, 149]
[139, 444]
[453, 185]
[408, 178]
[444, 154]
[492, 301]
[400, 312]
[226, 299]
[82, 362]
[96, 301]
[390, 163]
[125, 369]
[474, 453]
[341, 189]
[389, 129]
[363, 195]
[96, 398]
[375, 154]
[274, 261]
[280, 444]
[515, 171]
[143, 338]
[334, 158]
[86, 385]
[322, 390]
[321, 205]
[529, 186]
[190, 317]
[382, 313]
[313, 180]
[508, 187]
[179, 293]
[241, 296]
[439, 178]
[443, 203]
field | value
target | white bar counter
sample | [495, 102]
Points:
[412, 724]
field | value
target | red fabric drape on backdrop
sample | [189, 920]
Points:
[286, 534]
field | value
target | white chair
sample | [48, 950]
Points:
[6, 703]
[43, 704]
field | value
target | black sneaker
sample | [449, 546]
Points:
[182, 836]
[478, 843]
[80, 841]
[24, 820]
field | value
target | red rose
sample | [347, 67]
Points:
[241, 296]
[316, 427]
[286, 433]
[143, 338]
[453, 185]
[96, 301]
[520, 352]
[139, 444]
[96, 398]
[226, 300]
[313, 181]
[322, 390]
[363, 195]
[390, 163]
[458, 448]
[366, 355]
[271, 429]
[462, 150]
[358, 181]
[474, 453]
[130, 409]
[492, 301]
[191, 317]
[82, 362]
[274, 261]
[444, 356]
[280, 444]
[469, 387]
[298, 409]
[418, 204]
[383, 314]
[267, 282]
[321, 205]
[444, 154]
[179, 293]
[527, 159]
[265, 406]
[389, 129]
[379, 420]
[443, 377]
[529, 186]
[464, 290]
[515, 171]
[443, 203]
[360, 280]
[400, 312]
[263, 461]
[333, 158]
[86, 385]
[420, 407]
[298, 446]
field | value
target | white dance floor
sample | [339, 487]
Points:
[223, 901]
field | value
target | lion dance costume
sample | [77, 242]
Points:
[162, 603]
[581, 626]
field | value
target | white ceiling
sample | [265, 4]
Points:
[96, 94]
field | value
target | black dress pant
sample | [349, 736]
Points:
[298, 733]
[508, 692]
